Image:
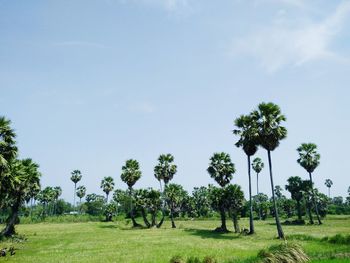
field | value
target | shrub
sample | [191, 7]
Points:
[209, 259]
[284, 253]
[193, 260]
[338, 239]
[177, 259]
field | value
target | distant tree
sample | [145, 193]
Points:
[268, 118]
[107, 186]
[309, 159]
[201, 201]
[75, 178]
[261, 205]
[247, 131]
[234, 198]
[94, 204]
[81, 191]
[57, 192]
[221, 169]
[296, 187]
[109, 210]
[257, 166]
[175, 196]
[329, 184]
[130, 175]
[149, 201]
[164, 170]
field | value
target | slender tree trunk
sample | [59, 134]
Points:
[299, 210]
[163, 206]
[172, 218]
[257, 183]
[107, 197]
[308, 207]
[134, 223]
[314, 201]
[75, 190]
[31, 207]
[235, 222]
[144, 216]
[223, 227]
[329, 192]
[9, 229]
[251, 222]
[278, 223]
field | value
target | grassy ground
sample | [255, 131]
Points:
[116, 242]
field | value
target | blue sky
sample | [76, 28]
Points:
[90, 84]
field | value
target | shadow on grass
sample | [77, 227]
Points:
[108, 226]
[204, 233]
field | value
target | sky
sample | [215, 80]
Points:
[89, 84]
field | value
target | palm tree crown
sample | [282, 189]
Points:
[257, 165]
[328, 183]
[107, 185]
[248, 132]
[76, 176]
[309, 159]
[131, 172]
[81, 191]
[165, 169]
[268, 119]
[221, 169]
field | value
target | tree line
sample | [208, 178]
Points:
[263, 127]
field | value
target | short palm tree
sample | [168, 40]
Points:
[329, 184]
[221, 169]
[268, 118]
[248, 140]
[309, 159]
[131, 173]
[75, 178]
[107, 185]
[81, 192]
[164, 170]
[257, 166]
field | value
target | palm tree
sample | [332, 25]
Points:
[107, 186]
[8, 152]
[175, 195]
[247, 130]
[329, 184]
[81, 192]
[221, 169]
[24, 174]
[76, 177]
[57, 191]
[164, 170]
[268, 118]
[296, 187]
[309, 159]
[257, 166]
[131, 173]
[235, 199]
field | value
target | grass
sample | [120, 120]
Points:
[117, 242]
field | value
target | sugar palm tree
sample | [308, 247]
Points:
[131, 173]
[57, 191]
[309, 159]
[329, 184]
[257, 166]
[268, 118]
[296, 187]
[164, 170]
[107, 185]
[76, 177]
[175, 196]
[248, 140]
[221, 169]
[81, 192]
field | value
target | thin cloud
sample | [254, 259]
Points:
[281, 44]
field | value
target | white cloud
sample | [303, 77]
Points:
[282, 44]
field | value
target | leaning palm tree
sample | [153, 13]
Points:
[221, 169]
[131, 173]
[309, 159]
[257, 166]
[107, 185]
[329, 184]
[164, 170]
[248, 140]
[268, 118]
[76, 177]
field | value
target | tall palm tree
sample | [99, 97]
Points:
[257, 166]
[131, 173]
[221, 169]
[164, 170]
[309, 159]
[329, 184]
[76, 177]
[107, 186]
[268, 118]
[248, 132]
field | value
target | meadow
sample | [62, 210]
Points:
[118, 242]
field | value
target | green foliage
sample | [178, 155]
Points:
[177, 259]
[209, 259]
[309, 159]
[76, 176]
[338, 239]
[107, 185]
[165, 169]
[247, 130]
[221, 169]
[284, 253]
[257, 165]
[131, 172]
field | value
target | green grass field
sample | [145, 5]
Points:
[116, 242]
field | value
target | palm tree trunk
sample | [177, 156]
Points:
[278, 223]
[223, 227]
[235, 222]
[308, 206]
[9, 230]
[163, 206]
[172, 218]
[299, 210]
[329, 192]
[257, 183]
[75, 190]
[144, 216]
[107, 197]
[31, 207]
[251, 222]
[134, 223]
[314, 200]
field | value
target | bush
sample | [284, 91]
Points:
[193, 260]
[209, 259]
[338, 239]
[283, 253]
[177, 259]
